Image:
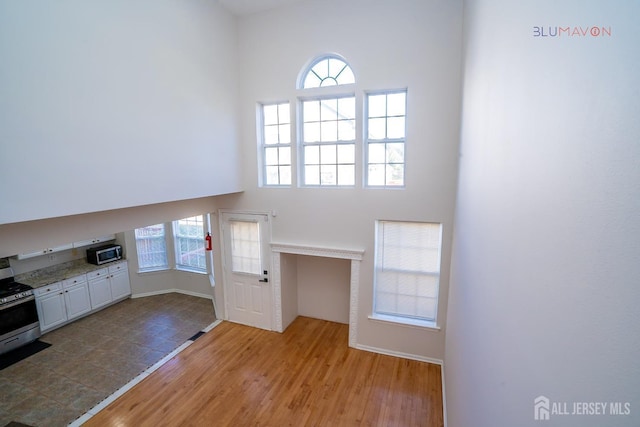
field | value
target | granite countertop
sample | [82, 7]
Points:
[56, 273]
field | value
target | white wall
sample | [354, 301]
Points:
[323, 288]
[544, 295]
[389, 44]
[113, 104]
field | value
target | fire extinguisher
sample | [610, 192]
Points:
[207, 242]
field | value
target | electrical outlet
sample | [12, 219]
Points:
[52, 257]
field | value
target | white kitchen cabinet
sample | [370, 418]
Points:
[99, 288]
[51, 306]
[94, 241]
[76, 296]
[119, 280]
[45, 251]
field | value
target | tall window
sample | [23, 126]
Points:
[189, 243]
[328, 124]
[385, 137]
[276, 144]
[407, 271]
[151, 246]
[328, 138]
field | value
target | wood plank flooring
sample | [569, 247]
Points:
[236, 375]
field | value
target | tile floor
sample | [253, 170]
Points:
[94, 356]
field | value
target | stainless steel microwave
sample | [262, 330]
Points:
[104, 254]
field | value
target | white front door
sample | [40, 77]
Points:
[246, 269]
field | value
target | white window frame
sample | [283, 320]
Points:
[281, 162]
[336, 95]
[385, 141]
[171, 250]
[177, 237]
[163, 238]
[397, 316]
[334, 90]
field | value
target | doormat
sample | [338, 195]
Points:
[9, 358]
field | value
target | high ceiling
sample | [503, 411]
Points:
[246, 7]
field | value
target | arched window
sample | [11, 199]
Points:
[328, 125]
[329, 70]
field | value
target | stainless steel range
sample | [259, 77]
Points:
[19, 324]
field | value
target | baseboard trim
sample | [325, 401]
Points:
[170, 291]
[399, 354]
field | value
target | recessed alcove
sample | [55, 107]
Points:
[316, 282]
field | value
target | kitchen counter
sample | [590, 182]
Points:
[57, 273]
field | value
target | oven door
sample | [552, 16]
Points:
[18, 317]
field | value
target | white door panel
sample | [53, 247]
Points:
[246, 266]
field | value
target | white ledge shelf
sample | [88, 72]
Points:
[352, 254]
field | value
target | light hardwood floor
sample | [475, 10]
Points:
[236, 375]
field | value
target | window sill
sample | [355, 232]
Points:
[153, 270]
[426, 324]
[191, 270]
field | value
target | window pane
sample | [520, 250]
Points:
[328, 131]
[395, 175]
[376, 175]
[346, 174]
[407, 266]
[346, 77]
[328, 175]
[396, 104]
[284, 157]
[151, 247]
[271, 156]
[377, 128]
[284, 113]
[272, 175]
[395, 127]
[312, 175]
[321, 69]
[246, 255]
[189, 241]
[329, 109]
[395, 152]
[312, 155]
[346, 130]
[311, 81]
[347, 108]
[284, 132]
[311, 111]
[328, 154]
[377, 105]
[346, 153]
[329, 81]
[271, 134]
[285, 175]
[270, 113]
[311, 132]
[377, 153]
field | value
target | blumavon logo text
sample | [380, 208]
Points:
[569, 31]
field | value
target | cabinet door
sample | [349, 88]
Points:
[77, 300]
[51, 310]
[120, 286]
[100, 291]
[93, 241]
